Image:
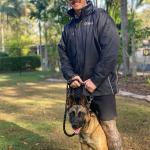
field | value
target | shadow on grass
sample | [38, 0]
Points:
[38, 91]
[10, 108]
[15, 137]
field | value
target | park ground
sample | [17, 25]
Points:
[31, 115]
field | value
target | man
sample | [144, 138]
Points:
[88, 55]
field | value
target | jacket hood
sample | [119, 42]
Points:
[87, 10]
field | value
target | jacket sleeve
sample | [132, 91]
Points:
[109, 42]
[66, 66]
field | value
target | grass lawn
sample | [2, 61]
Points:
[13, 79]
[31, 116]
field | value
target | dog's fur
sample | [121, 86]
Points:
[91, 135]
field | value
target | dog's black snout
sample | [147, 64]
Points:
[75, 126]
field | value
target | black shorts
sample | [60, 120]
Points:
[104, 107]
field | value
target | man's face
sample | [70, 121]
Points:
[77, 4]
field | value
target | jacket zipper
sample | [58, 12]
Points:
[110, 85]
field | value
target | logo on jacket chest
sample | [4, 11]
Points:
[88, 23]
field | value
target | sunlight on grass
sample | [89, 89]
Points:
[33, 113]
[4, 78]
[10, 79]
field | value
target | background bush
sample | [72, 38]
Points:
[24, 63]
[2, 54]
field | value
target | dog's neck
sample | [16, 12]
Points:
[89, 127]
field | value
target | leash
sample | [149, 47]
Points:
[66, 109]
[91, 98]
[65, 114]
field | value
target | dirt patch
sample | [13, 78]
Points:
[138, 85]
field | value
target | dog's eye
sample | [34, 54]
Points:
[72, 113]
[80, 114]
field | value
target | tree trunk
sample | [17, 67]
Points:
[124, 31]
[40, 46]
[96, 1]
[2, 33]
[134, 67]
[46, 47]
[107, 6]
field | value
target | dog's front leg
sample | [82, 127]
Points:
[84, 146]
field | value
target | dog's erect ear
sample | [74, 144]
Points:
[83, 101]
[70, 101]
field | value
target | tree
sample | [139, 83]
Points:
[147, 1]
[133, 26]
[124, 35]
[143, 17]
[108, 4]
[41, 13]
[95, 2]
[12, 8]
[59, 12]
[113, 8]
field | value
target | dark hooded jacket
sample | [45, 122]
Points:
[89, 48]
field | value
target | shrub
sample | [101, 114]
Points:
[19, 47]
[3, 54]
[24, 63]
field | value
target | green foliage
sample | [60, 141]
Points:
[14, 48]
[147, 1]
[13, 8]
[54, 37]
[143, 33]
[59, 12]
[136, 29]
[40, 9]
[19, 47]
[2, 54]
[113, 8]
[148, 81]
[24, 63]
[120, 57]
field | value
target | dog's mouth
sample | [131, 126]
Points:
[77, 131]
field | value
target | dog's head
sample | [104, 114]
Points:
[78, 113]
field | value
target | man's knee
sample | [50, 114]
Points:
[109, 126]
[112, 134]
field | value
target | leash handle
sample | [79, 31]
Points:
[65, 114]
[72, 80]
[64, 125]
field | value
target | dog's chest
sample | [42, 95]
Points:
[86, 139]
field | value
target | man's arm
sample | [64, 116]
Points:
[109, 41]
[66, 66]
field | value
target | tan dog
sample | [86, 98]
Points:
[86, 125]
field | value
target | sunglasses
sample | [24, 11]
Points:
[74, 0]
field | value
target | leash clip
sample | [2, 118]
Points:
[91, 99]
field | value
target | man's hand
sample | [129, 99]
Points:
[89, 85]
[77, 82]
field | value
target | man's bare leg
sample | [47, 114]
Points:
[112, 134]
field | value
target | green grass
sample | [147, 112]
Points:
[11, 79]
[31, 117]
[134, 123]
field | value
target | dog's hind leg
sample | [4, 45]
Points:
[112, 134]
